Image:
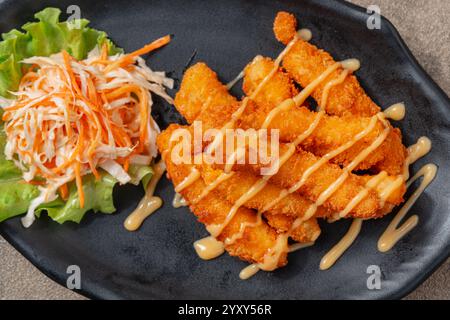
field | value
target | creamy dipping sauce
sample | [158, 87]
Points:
[233, 82]
[395, 112]
[393, 232]
[149, 203]
[351, 64]
[209, 248]
[304, 34]
[249, 271]
[178, 201]
[338, 250]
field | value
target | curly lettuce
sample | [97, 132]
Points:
[42, 38]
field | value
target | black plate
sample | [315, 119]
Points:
[158, 261]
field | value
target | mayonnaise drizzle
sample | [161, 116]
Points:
[298, 246]
[371, 184]
[249, 271]
[300, 98]
[178, 201]
[351, 64]
[304, 34]
[149, 203]
[415, 152]
[209, 248]
[336, 252]
[233, 82]
[210, 187]
[216, 229]
[188, 180]
[393, 232]
[395, 112]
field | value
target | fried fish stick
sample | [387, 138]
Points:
[331, 132]
[201, 88]
[212, 117]
[320, 180]
[287, 210]
[240, 182]
[293, 169]
[212, 209]
[305, 62]
[204, 80]
[234, 187]
[308, 230]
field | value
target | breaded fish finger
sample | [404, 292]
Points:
[213, 117]
[305, 62]
[331, 131]
[201, 88]
[212, 209]
[320, 180]
[292, 205]
[308, 230]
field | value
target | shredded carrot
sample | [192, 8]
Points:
[104, 54]
[64, 192]
[129, 58]
[67, 64]
[79, 183]
[33, 182]
[126, 164]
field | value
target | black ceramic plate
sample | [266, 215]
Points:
[158, 261]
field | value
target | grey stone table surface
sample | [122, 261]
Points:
[423, 24]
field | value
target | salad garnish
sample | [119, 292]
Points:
[76, 121]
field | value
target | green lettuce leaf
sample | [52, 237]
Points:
[15, 195]
[98, 196]
[43, 38]
[140, 174]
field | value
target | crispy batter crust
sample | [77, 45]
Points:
[281, 216]
[293, 205]
[331, 132]
[216, 117]
[305, 62]
[306, 232]
[213, 209]
[284, 27]
[199, 81]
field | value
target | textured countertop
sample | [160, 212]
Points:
[423, 24]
